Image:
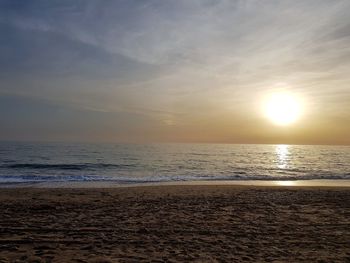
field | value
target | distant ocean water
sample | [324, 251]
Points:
[128, 163]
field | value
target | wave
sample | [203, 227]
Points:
[154, 179]
[43, 178]
[79, 167]
[123, 180]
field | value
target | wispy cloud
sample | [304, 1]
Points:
[175, 62]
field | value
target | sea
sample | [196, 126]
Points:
[23, 162]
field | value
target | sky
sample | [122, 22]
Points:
[173, 71]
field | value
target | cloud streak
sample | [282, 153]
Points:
[176, 64]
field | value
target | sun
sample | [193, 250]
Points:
[282, 108]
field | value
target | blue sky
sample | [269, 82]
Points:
[185, 71]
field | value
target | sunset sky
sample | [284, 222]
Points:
[173, 71]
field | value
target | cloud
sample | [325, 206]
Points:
[175, 62]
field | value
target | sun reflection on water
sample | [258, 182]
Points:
[282, 152]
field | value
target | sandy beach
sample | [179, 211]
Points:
[190, 223]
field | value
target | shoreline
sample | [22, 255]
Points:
[111, 184]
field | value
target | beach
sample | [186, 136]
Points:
[183, 223]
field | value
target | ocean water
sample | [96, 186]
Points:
[128, 163]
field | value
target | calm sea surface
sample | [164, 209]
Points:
[123, 163]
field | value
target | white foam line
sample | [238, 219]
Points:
[111, 184]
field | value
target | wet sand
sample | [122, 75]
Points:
[187, 223]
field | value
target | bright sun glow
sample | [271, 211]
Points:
[282, 108]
